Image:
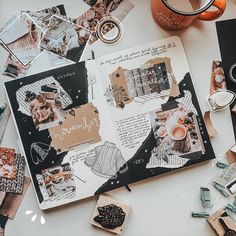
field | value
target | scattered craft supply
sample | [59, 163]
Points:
[231, 155]
[226, 176]
[221, 189]
[230, 214]
[231, 207]
[205, 196]
[199, 214]
[217, 77]
[231, 187]
[220, 100]
[110, 214]
[111, 22]
[222, 223]
[221, 165]
[210, 128]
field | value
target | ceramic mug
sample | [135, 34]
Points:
[178, 132]
[178, 14]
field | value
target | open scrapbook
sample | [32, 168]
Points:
[94, 126]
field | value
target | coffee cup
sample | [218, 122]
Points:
[178, 14]
[178, 132]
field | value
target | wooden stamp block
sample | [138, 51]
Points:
[110, 214]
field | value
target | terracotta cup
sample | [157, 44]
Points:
[172, 18]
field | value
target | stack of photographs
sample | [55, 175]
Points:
[13, 183]
[26, 37]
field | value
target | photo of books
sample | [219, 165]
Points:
[45, 106]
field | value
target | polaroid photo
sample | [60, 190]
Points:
[15, 185]
[65, 39]
[12, 201]
[59, 182]
[13, 68]
[7, 167]
[45, 106]
[21, 39]
[42, 17]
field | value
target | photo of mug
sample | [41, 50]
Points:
[174, 15]
[178, 132]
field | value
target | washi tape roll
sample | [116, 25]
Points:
[232, 73]
[109, 22]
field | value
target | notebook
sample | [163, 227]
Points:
[101, 124]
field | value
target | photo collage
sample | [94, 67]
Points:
[27, 36]
[151, 80]
[177, 135]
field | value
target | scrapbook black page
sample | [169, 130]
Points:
[227, 38]
[98, 125]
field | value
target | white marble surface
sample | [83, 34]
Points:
[162, 205]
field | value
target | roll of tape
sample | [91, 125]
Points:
[231, 74]
[106, 22]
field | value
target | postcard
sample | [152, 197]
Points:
[7, 167]
[98, 125]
